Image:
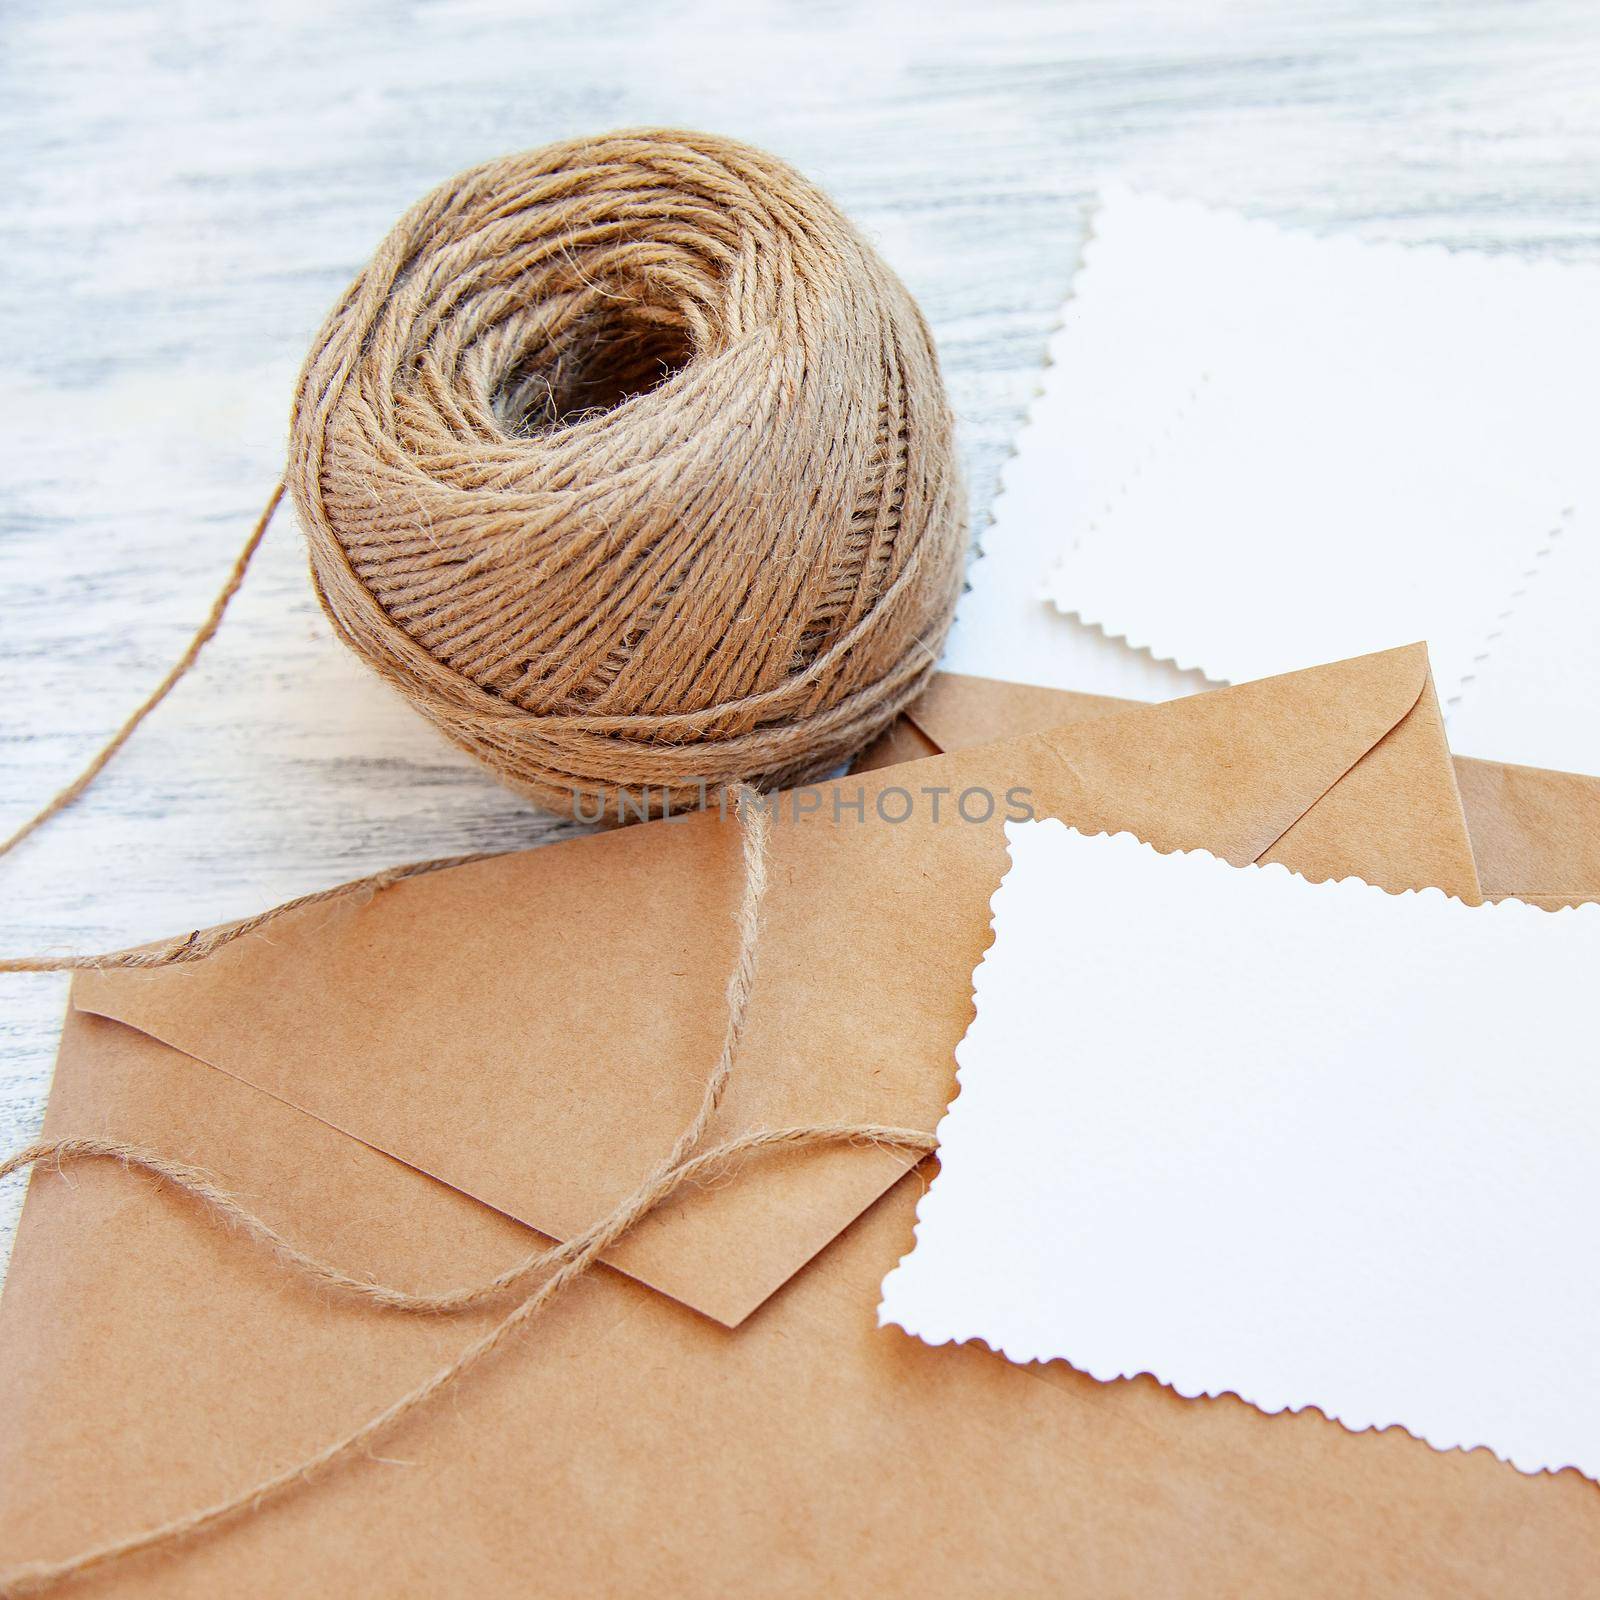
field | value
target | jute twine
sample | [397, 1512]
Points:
[550, 1271]
[628, 463]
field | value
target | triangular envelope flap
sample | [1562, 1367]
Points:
[334, 1196]
[534, 1029]
[1285, 742]
[1396, 818]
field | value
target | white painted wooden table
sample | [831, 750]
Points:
[184, 189]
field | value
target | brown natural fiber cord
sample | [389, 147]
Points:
[203, 636]
[196, 946]
[627, 461]
[555, 1268]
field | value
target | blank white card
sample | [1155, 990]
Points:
[1314, 1145]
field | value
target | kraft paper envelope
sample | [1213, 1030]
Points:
[1535, 833]
[403, 1084]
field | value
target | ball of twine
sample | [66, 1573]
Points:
[627, 461]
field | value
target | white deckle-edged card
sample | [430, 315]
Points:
[1255, 447]
[1315, 1145]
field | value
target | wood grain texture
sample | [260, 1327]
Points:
[184, 189]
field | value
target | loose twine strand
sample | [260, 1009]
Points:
[200, 943]
[557, 1267]
[204, 942]
[178, 670]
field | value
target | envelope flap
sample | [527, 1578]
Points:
[530, 1030]
[1278, 745]
[1394, 818]
[534, 1030]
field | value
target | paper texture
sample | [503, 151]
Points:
[1109, 397]
[1314, 1145]
[721, 1415]
[1268, 528]
[1536, 700]
[1535, 834]
[1251, 445]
